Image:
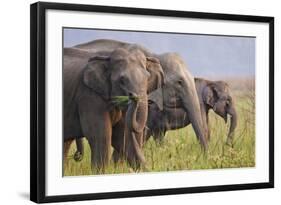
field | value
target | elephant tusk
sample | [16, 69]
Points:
[225, 118]
[215, 108]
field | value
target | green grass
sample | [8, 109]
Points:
[180, 149]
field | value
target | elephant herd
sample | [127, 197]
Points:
[163, 95]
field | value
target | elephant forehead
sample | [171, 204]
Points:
[172, 60]
[171, 76]
[222, 88]
[137, 57]
[174, 75]
[129, 62]
[119, 53]
[131, 54]
[174, 67]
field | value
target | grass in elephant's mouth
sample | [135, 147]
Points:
[122, 101]
[180, 149]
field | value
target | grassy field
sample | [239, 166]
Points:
[181, 150]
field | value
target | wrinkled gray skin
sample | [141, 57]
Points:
[91, 79]
[179, 86]
[213, 95]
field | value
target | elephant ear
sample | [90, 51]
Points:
[96, 75]
[209, 95]
[157, 97]
[156, 79]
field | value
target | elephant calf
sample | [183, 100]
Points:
[212, 95]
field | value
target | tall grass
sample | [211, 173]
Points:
[180, 149]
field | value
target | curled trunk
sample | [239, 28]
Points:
[135, 121]
[233, 123]
[136, 126]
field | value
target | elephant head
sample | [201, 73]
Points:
[179, 92]
[123, 72]
[216, 96]
[126, 72]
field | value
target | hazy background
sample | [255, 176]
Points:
[215, 57]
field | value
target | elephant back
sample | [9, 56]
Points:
[108, 45]
[102, 45]
[74, 63]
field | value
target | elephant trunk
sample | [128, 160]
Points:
[192, 107]
[140, 159]
[233, 123]
[136, 117]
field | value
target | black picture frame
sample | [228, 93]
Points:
[38, 100]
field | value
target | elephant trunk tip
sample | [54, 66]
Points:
[233, 124]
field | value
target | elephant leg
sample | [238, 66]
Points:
[162, 135]
[100, 144]
[206, 122]
[158, 136]
[66, 147]
[116, 156]
[78, 156]
[118, 142]
[146, 135]
[97, 128]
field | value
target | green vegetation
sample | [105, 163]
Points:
[122, 100]
[180, 149]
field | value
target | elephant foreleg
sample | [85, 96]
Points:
[97, 128]
[118, 141]
[78, 156]
[100, 144]
[158, 136]
[66, 147]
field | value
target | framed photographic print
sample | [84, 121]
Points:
[129, 102]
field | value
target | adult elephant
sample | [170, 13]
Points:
[213, 95]
[179, 82]
[91, 81]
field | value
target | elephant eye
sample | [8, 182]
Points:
[179, 82]
[229, 100]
